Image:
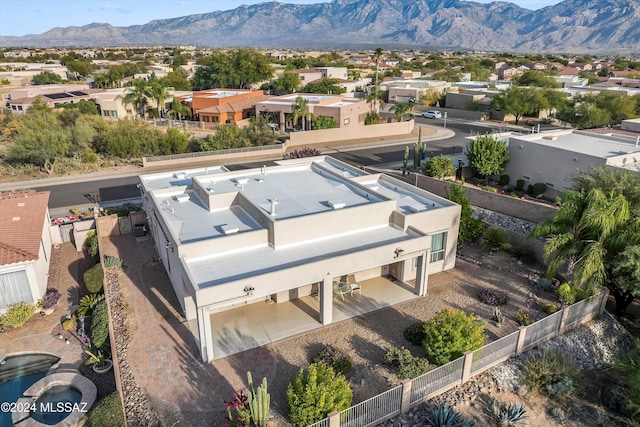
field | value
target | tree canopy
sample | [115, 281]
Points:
[326, 86]
[46, 78]
[488, 155]
[234, 69]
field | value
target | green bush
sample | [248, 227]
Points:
[520, 184]
[504, 180]
[550, 308]
[108, 412]
[87, 304]
[415, 333]
[311, 396]
[91, 244]
[444, 415]
[111, 261]
[439, 167]
[100, 326]
[549, 371]
[406, 365]
[530, 190]
[494, 239]
[566, 294]
[94, 279]
[334, 358]
[523, 253]
[523, 317]
[450, 333]
[539, 189]
[18, 314]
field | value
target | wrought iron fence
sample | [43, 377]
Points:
[542, 329]
[438, 379]
[495, 352]
[374, 410]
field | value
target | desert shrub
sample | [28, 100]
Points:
[504, 415]
[566, 294]
[628, 363]
[550, 308]
[91, 243]
[439, 167]
[549, 371]
[494, 239]
[498, 316]
[51, 298]
[335, 358]
[107, 412]
[303, 152]
[523, 317]
[415, 333]
[443, 415]
[450, 333]
[238, 413]
[312, 395]
[406, 365]
[18, 314]
[68, 324]
[546, 284]
[520, 184]
[87, 304]
[492, 296]
[539, 189]
[94, 279]
[111, 261]
[100, 325]
[489, 188]
[504, 180]
[530, 190]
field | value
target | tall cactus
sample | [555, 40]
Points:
[258, 402]
[405, 161]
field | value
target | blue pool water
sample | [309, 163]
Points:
[55, 404]
[18, 374]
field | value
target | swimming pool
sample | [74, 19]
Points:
[18, 373]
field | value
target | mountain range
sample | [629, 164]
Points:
[577, 26]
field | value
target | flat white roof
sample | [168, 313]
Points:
[219, 269]
[223, 93]
[190, 219]
[592, 144]
[299, 189]
[177, 178]
[408, 202]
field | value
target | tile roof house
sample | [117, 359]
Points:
[25, 247]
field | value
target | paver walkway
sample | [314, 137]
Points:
[40, 333]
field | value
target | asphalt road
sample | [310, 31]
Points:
[111, 189]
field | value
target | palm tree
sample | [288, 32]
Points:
[299, 111]
[375, 99]
[586, 231]
[138, 95]
[376, 57]
[159, 94]
[401, 109]
[178, 110]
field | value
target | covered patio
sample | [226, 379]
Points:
[255, 325]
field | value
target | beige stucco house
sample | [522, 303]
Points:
[25, 247]
[281, 240]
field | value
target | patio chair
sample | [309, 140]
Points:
[341, 288]
[355, 286]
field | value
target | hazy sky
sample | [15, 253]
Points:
[21, 17]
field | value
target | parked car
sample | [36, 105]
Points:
[432, 114]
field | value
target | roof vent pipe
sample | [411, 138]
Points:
[637, 140]
[274, 202]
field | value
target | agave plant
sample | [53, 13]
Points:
[445, 416]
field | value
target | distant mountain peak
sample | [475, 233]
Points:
[569, 26]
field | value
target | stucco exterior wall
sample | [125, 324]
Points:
[301, 139]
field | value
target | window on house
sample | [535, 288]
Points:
[14, 288]
[438, 246]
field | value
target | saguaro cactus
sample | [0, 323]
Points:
[258, 402]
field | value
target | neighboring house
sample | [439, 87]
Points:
[344, 110]
[281, 238]
[21, 99]
[25, 247]
[224, 105]
[553, 157]
[408, 90]
[110, 103]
